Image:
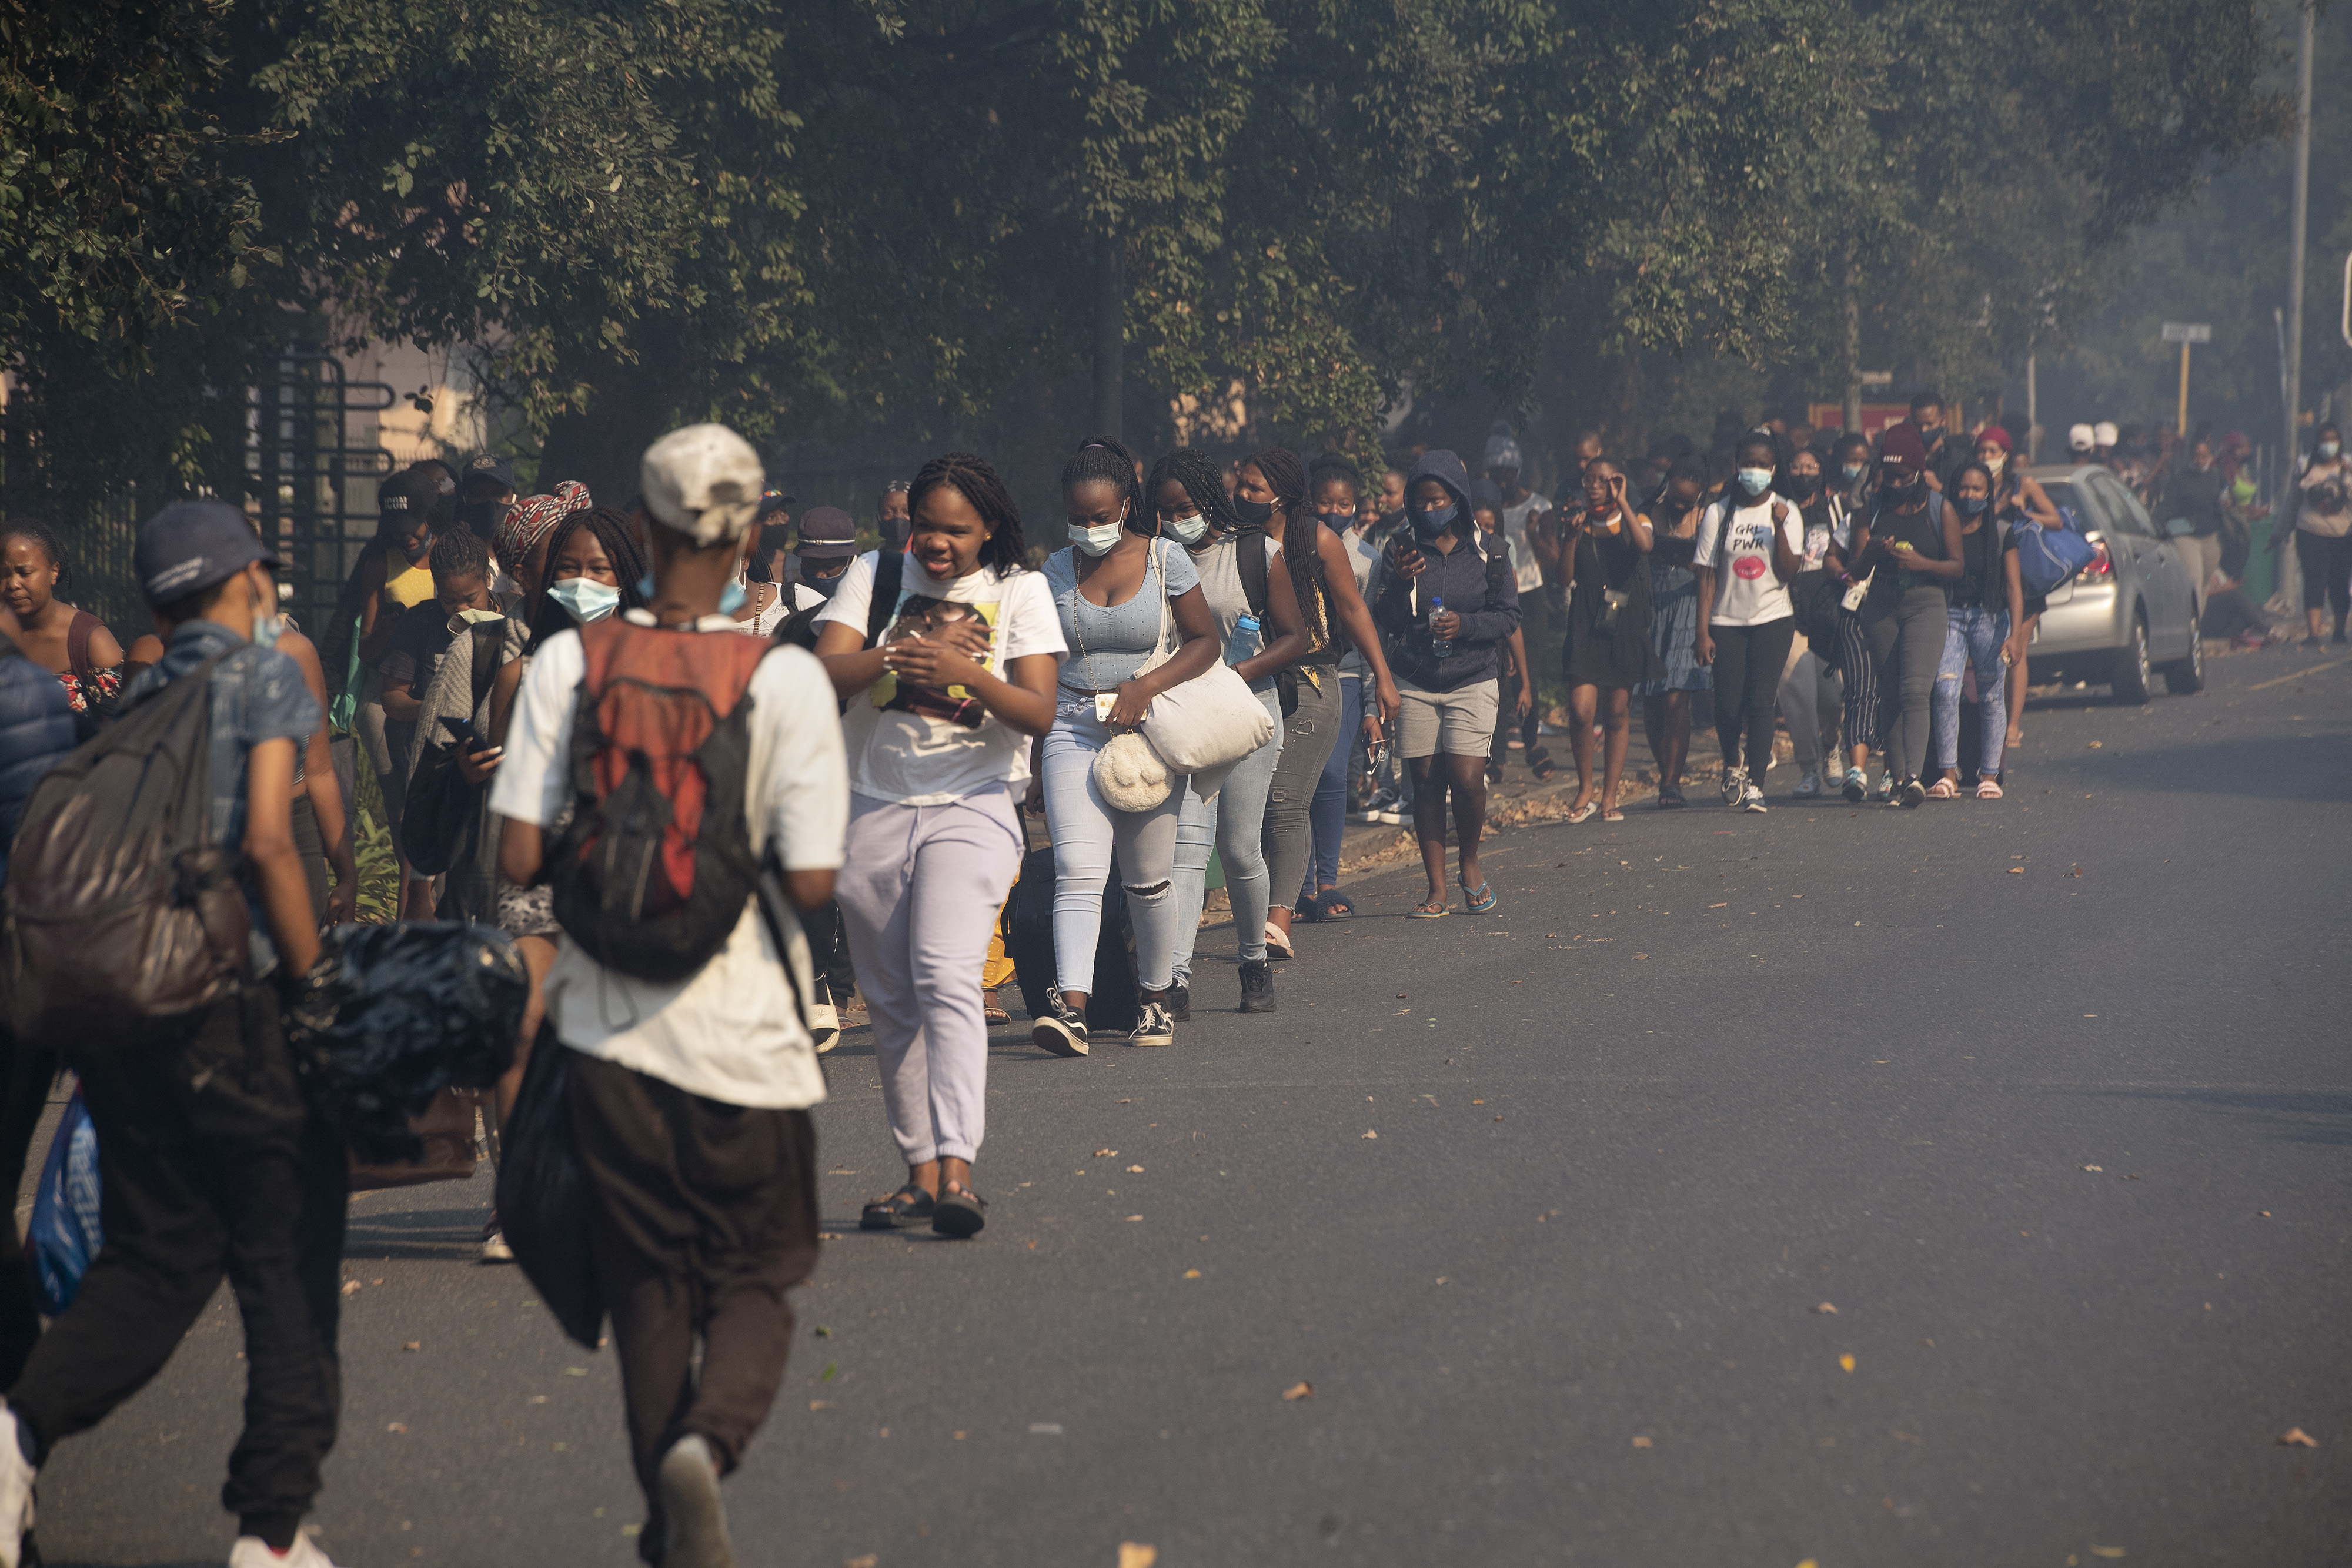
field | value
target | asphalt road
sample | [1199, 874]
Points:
[2048, 1098]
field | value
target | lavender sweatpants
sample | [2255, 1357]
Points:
[919, 891]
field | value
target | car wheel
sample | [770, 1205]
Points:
[2131, 677]
[2185, 678]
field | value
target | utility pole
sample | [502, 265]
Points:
[1110, 338]
[2032, 415]
[2297, 224]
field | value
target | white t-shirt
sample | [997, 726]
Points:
[921, 758]
[1746, 591]
[732, 1032]
[1525, 568]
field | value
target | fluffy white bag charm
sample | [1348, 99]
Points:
[1129, 774]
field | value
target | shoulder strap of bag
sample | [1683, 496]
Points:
[889, 575]
[1499, 573]
[490, 642]
[1251, 562]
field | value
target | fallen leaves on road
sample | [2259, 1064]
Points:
[1370, 1134]
[1132, 1218]
[2105, 1551]
[2095, 745]
[1191, 1273]
[1131, 1554]
[2102, 1170]
[1826, 1310]
[820, 1403]
[575, 1372]
[539, 1399]
[2017, 871]
[414, 1345]
[1644, 1443]
[868, 1560]
[1847, 1360]
[1298, 1391]
[2075, 871]
[1106, 1154]
[2263, 1212]
[396, 1426]
[1135, 1170]
[2296, 1437]
[351, 1287]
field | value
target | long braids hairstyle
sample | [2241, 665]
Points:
[614, 532]
[1105, 458]
[1988, 524]
[970, 476]
[1301, 539]
[1203, 485]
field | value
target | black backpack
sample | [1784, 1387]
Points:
[121, 919]
[800, 629]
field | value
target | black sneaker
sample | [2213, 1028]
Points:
[1179, 1003]
[1914, 794]
[1063, 1030]
[1153, 1026]
[1257, 985]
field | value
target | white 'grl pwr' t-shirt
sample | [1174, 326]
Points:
[912, 758]
[1746, 591]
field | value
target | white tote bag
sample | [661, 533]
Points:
[1213, 720]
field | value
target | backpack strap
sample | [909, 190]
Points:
[490, 641]
[890, 576]
[1250, 560]
[1499, 573]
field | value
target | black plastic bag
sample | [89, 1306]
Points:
[391, 1015]
[542, 1207]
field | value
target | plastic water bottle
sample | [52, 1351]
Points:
[1439, 647]
[1245, 641]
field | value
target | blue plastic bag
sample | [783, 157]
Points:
[65, 1234]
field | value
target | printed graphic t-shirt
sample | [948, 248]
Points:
[925, 747]
[1739, 546]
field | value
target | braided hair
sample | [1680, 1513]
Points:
[461, 552]
[39, 533]
[1203, 485]
[1106, 459]
[613, 530]
[1301, 535]
[969, 474]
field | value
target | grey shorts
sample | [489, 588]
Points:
[1460, 723]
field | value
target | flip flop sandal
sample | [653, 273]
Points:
[994, 1015]
[1334, 905]
[961, 1213]
[1429, 910]
[1612, 814]
[1478, 900]
[911, 1205]
[1582, 813]
[1277, 945]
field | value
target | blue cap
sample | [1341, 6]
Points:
[190, 546]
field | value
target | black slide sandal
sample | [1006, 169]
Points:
[961, 1213]
[911, 1205]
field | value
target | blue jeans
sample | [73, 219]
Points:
[1973, 636]
[1234, 825]
[1329, 812]
[1086, 833]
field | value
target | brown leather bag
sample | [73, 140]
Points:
[120, 917]
[447, 1126]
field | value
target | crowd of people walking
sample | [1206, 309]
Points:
[714, 769]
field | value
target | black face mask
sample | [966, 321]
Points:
[1801, 487]
[896, 531]
[1253, 513]
[1909, 491]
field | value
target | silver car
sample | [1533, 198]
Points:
[2133, 609]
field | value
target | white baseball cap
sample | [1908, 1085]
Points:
[704, 481]
[2081, 438]
[2105, 433]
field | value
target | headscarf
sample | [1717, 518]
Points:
[531, 519]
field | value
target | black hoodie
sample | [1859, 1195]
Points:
[1485, 596]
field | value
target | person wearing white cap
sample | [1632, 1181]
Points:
[2104, 437]
[687, 1072]
[2082, 440]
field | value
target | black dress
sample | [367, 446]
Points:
[1597, 652]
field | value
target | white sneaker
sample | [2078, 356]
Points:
[1752, 799]
[15, 1491]
[252, 1551]
[697, 1518]
[1735, 784]
[494, 1243]
[824, 1027]
[1809, 786]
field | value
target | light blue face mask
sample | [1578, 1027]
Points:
[1192, 529]
[729, 602]
[584, 599]
[266, 629]
[1096, 539]
[1755, 480]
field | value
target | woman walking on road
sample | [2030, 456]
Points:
[1911, 548]
[941, 710]
[1674, 627]
[1335, 487]
[1811, 695]
[1189, 505]
[1115, 588]
[1607, 651]
[2017, 497]
[1750, 545]
[2319, 515]
[1984, 604]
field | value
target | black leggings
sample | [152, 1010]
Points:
[2326, 571]
[1748, 664]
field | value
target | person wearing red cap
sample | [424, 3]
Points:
[1912, 543]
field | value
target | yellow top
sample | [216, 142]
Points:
[404, 584]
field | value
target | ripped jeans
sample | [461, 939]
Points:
[1234, 825]
[1973, 636]
[1087, 833]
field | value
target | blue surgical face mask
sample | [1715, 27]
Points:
[1755, 480]
[266, 629]
[1852, 472]
[417, 550]
[1192, 529]
[1971, 506]
[1435, 520]
[584, 599]
[824, 587]
[1095, 538]
[1339, 522]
